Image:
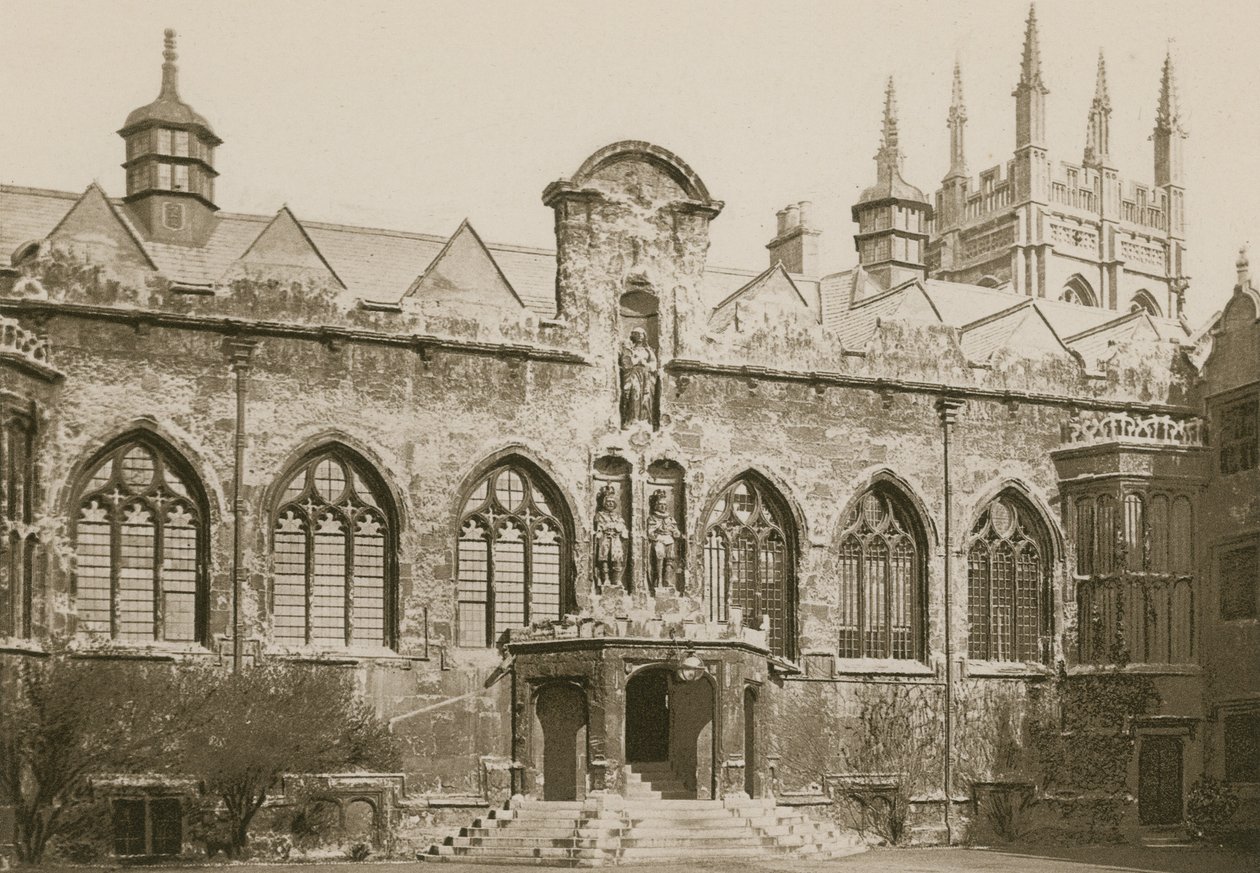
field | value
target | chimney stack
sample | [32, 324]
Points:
[796, 243]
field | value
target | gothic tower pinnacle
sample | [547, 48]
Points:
[1098, 133]
[957, 123]
[1169, 131]
[1030, 93]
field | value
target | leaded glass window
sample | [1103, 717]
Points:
[512, 551]
[748, 560]
[140, 538]
[332, 561]
[1006, 574]
[879, 581]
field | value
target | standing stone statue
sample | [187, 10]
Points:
[638, 379]
[663, 535]
[611, 535]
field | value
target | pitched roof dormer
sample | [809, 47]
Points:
[170, 163]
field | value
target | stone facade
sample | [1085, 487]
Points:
[823, 489]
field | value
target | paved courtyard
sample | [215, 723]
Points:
[1091, 859]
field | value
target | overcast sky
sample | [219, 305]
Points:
[414, 115]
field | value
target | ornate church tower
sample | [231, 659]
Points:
[892, 214]
[170, 163]
[1030, 171]
[1168, 137]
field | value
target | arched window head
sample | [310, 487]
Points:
[881, 555]
[1007, 592]
[140, 538]
[749, 556]
[334, 539]
[1078, 291]
[1144, 301]
[513, 555]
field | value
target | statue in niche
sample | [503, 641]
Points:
[611, 535]
[638, 379]
[663, 536]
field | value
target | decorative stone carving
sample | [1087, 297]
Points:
[611, 536]
[1095, 427]
[639, 378]
[663, 535]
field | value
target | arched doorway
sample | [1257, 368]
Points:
[670, 720]
[750, 742]
[560, 718]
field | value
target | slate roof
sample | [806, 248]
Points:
[379, 266]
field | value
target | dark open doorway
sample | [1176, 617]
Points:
[647, 717]
[750, 742]
[1159, 781]
[561, 719]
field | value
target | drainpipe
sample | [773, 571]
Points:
[240, 352]
[948, 408]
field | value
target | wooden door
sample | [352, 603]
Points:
[1159, 781]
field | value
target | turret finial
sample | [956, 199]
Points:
[1244, 268]
[1030, 64]
[170, 72]
[957, 108]
[891, 137]
[1168, 112]
[1098, 133]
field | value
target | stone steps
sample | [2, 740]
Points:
[608, 829]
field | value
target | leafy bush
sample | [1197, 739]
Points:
[359, 852]
[1209, 807]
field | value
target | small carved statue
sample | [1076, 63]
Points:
[638, 379]
[663, 536]
[611, 535]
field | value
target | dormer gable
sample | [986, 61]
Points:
[1022, 330]
[285, 249]
[771, 294]
[464, 271]
[95, 230]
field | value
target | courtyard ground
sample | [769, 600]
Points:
[1089, 859]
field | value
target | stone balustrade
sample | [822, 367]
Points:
[1103, 427]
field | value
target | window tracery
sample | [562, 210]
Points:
[512, 556]
[748, 560]
[140, 538]
[333, 538]
[1007, 562]
[880, 580]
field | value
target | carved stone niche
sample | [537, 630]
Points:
[638, 356]
[612, 520]
[665, 530]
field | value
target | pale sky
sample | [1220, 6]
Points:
[414, 115]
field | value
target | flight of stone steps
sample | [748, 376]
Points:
[648, 825]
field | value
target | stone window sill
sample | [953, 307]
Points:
[882, 666]
[1140, 669]
[1005, 670]
[21, 646]
[155, 651]
[343, 656]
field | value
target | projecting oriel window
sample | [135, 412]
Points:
[880, 558]
[1006, 582]
[512, 555]
[749, 558]
[140, 540]
[333, 560]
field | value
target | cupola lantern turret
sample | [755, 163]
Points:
[170, 163]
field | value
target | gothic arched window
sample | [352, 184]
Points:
[749, 554]
[1078, 291]
[140, 538]
[512, 555]
[1007, 565]
[880, 578]
[1144, 301]
[333, 560]
[17, 485]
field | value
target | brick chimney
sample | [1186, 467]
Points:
[796, 240]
